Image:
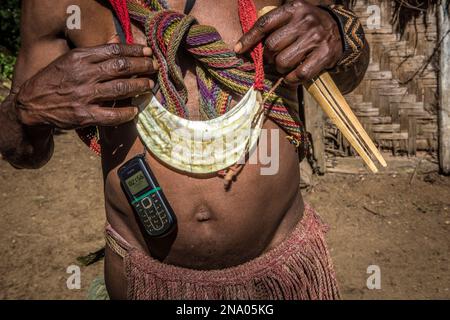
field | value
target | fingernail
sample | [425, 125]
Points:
[155, 65]
[238, 47]
[152, 84]
[147, 51]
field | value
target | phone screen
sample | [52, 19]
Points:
[137, 182]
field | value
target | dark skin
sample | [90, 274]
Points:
[59, 87]
[299, 39]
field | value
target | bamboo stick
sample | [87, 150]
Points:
[327, 94]
[329, 83]
[330, 97]
[316, 90]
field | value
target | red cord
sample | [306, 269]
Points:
[120, 7]
[248, 16]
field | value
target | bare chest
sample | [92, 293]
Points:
[97, 27]
[211, 222]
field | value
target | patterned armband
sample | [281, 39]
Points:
[352, 33]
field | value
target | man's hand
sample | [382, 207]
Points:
[301, 39]
[68, 93]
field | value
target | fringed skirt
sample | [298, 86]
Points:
[299, 268]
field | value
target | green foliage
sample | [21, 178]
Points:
[10, 26]
[7, 63]
[9, 36]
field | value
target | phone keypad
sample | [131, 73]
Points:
[152, 213]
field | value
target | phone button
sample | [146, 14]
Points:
[157, 224]
[146, 203]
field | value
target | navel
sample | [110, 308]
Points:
[203, 214]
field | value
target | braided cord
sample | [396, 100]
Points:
[220, 73]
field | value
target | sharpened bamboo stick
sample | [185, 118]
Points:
[319, 93]
[328, 96]
[328, 82]
[341, 114]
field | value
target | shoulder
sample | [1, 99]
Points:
[44, 17]
[43, 34]
[49, 17]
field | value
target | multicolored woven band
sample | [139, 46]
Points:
[220, 73]
[352, 33]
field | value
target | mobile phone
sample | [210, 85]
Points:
[146, 197]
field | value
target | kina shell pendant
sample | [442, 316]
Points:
[201, 147]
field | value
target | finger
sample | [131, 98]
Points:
[121, 89]
[101, 116]
[279, 40]
[125, 67]
[292, 56]
[314, 64]
[263, 26]
[116, 50]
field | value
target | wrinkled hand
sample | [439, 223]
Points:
[300, 39]
[69, 92]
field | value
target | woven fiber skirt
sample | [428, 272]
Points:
[299, 268]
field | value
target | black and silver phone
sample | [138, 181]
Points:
[146, 197]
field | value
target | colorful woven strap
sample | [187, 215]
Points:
[352, 33]
[220, 73]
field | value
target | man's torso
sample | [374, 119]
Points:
[216, 228]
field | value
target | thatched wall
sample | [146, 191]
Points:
[396, 103]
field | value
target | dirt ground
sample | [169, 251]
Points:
[49, 217]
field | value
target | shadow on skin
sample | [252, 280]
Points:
[159, 247]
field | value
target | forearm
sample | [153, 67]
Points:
[348, 78]
[23, 147]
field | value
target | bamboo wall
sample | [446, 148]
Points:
[400, 115]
